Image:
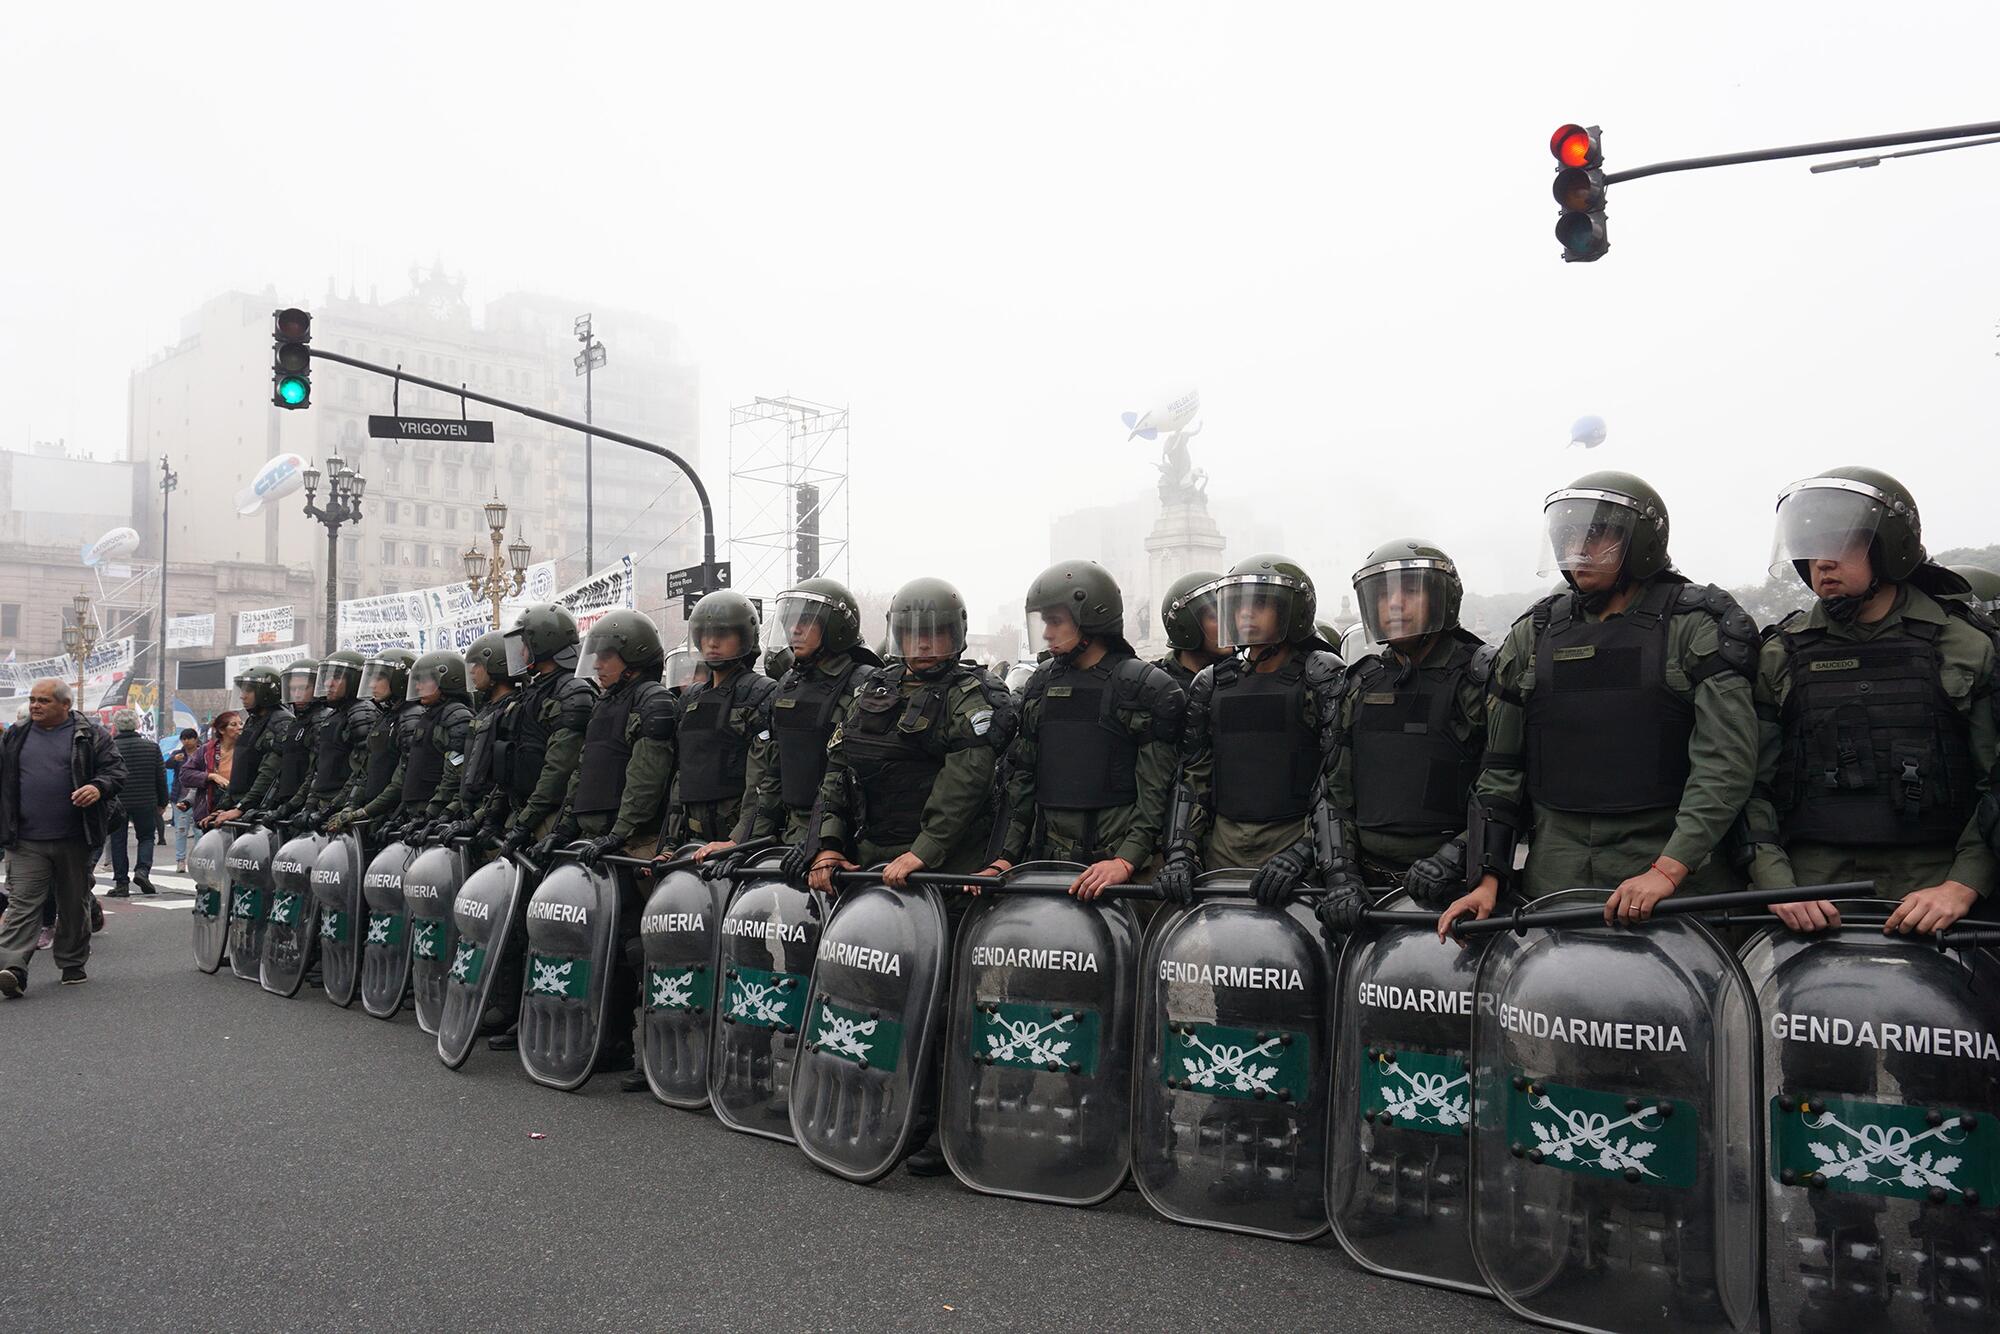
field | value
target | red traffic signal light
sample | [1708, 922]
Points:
[291, 358]
[1579, 191]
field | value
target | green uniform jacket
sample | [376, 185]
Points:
[1570, 850]
[1130, 832]
[366, 720]
[1968, 678]
[642, 802]
[705, 821]
[1450, 658]
[957, 821]
[768, 813]
[447, 727]
[564, 711]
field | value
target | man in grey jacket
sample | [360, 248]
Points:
[58, 776]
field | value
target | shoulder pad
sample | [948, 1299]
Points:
[455, 718]
[1362, 672]
[659, 711]
[1037, 683]
[279, 729]
[1005, 718]
[1325, 671]
[1738, 635]
[758, 691]
[1158, 695]
[573, 709]
[1479, 666]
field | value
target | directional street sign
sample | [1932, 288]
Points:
[430, 428]
[681, 583]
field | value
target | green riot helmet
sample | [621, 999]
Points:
[1605, 520]
[683, 666]
[1083, 592]
[543, 632]
[385, 678]
[632, 636]
[339, 678]
[778, 661]
[1265, 600]
[717, 616]
[822, 603]
[261, 684]
[301, 682]
[1845, 511]
[927, 620]
[1407, 589]
[1985, 583]
[1188, 604]
[488, 653]
[440, 669]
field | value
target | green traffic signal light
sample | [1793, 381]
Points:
[292, 390]
[291, 358]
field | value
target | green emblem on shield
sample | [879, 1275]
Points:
[427, 939]
[247, 903]
[1603, 1134]
[1416, 1090]
[567, 979]
[285, 910]
[384, 929]
[208, 903]
[1886, 1148]
[868, 1040]
[765, 999]
[689, 988]
[468, 961]
[1237, 1062]
[335, 926]
[1056, 1038]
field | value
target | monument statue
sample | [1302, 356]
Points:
[1184, 537]
[1172, 423]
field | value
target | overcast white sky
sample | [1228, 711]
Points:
[992, 228]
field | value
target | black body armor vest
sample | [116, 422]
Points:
[1266, 756]
[1087, 759]
[713, 758]
[1606, 734]
[483, 752]
[801, 725]
[248, 760]
[383, 749]
[425, 763]
[1875, 753]
[895, 746]
[529, 744]
[606, 750]
[1411, 774]
[295, 753]
[333, 747]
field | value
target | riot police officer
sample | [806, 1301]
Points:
[298, 683]
[385, 683]
[431, 742]
[911, 767]
[1875, 710]
[255, 773]
[1260, 740]
[480, 777]
[1621, 720]
[1093, 766]
[327, 747]
[821, 622]
[617, 797]
[543, 732]
[1412, 723]
[725, 742]
[1187, 613]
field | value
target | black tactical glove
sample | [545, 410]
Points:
[717, 866]
[1339, 911]
[516, 840]
[590, 851]
[796, 865]
[1436, 880]
[1278, 879]
[1175, 879]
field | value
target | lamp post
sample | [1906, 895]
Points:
[496, 576]
[587, 361]
[79, 637]
[169, 482]
[344, 488]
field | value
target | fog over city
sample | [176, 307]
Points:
[989, 230]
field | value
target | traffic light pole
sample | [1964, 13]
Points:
[567, 423]
[1802, 150]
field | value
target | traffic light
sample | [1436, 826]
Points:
[291, 361]
[1579, 191]
[807, 531]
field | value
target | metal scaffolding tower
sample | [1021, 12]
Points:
[787, 493]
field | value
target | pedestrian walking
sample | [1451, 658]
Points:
[140, 804]
[178, 785]
[56, 776]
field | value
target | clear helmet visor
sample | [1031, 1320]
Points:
[925, 632]
[1822, 523]
[1583, 533]
[378, 681]
[719, 644]
[426, 683]
[330, 672]
[681, 668]
[1400, 604]
[517, 653]
[300, 684]
[1252, 612]
[801, 618]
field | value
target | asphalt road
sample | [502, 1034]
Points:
[187, 1151]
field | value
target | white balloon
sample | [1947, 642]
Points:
[113, 546]
[1174, 410]
[274, 481]
[1587, 431]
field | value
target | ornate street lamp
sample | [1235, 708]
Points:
[497, 576]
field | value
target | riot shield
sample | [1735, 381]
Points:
[1614, 1150]
[292, 930]
[1229, 1130]
[565, 995]
[249, 867]
[429, 887]
[1037, 1099]
[871, 1022]
[769, 937]
[1397, 1191]
[1881, 1060]
[679, 932]
[385, 948]
[211, 898]
[336, 880]
[482, 921]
